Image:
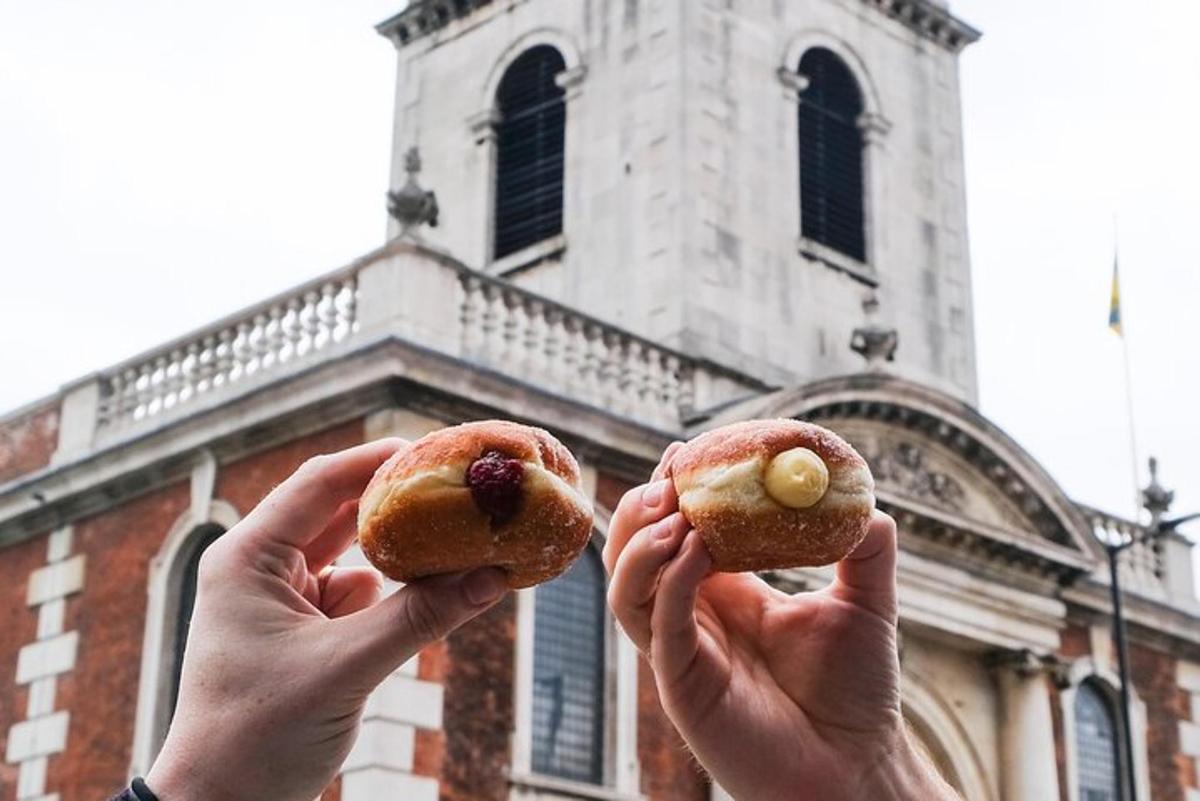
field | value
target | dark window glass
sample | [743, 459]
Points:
[529, 151]
[568, 673]
[831, 158]
[187, 603]
[1096, 745]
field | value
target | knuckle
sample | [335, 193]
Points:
[422, 618]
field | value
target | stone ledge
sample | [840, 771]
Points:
[55, 580]
[38, 737]
[1187, 674]
[1189, 738]
[382, 744]
[401, 699]
[373, 784]
[47, 657]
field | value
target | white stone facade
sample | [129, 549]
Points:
[681, 211]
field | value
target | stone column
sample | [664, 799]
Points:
[1028, 769]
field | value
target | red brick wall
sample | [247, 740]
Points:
[28, 442]
[478, 711]
[1154, 678]
[18, 627]
[110, 611]
[109, 614]
[244, 483]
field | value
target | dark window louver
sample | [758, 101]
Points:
[187, 604]
[831, 157]
[568, 673]
[529, 152]
[1096, 745]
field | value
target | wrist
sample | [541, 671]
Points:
[907, 775]
[173, 778]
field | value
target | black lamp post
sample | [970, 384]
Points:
[1157, 500]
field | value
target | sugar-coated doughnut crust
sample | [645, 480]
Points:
[417, 516]
[719, 477]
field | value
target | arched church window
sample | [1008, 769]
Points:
[831, 155]
[187, 601]
[529, 151]
[1096, 745]
[569, 673]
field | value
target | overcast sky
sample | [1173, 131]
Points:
[162, 164]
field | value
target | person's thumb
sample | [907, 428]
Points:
[378, 640]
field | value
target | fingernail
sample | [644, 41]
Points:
[484, 586]
[653, 494]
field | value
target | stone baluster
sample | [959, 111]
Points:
[650, 390]
[349, 306]
[224, 357]
[591, 378]
[327, 313]
[468, 315]
[512, 320]
[207, 364]
[610, 368]
[173, 379]
[629, 355]
[552, 328]
[573, 344]
[685, 392]
[531, 362]
[243, 353]
[309, 321]
[273, 334]
[191, 369]
[491, 323]
[260, 342]
[158, 385]
[293, 329]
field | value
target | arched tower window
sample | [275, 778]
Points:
[529, 151]
[203, 538]
[831, 155]
[569, 673]
[1096, 745]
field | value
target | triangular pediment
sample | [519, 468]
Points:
[945, 472]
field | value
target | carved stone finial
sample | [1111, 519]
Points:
[872, 341]
[412, 206]
[1155, 497]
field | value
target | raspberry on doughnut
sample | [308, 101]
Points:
[492, 493]
[772, 494]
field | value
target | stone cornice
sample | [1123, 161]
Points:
[423, 17]
[929, 21]
[373, 375]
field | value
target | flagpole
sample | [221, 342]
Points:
[1133, 449]
[1116, 321]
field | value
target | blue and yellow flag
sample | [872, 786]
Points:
[1114, 308]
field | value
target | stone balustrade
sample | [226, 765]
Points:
[418, 296]
[1143, 565]
[297, 325]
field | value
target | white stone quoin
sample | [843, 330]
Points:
[44, 732]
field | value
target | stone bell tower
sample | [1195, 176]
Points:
[727, 177]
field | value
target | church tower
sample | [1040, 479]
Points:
[728, 177]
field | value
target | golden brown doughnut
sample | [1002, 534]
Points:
[771, 494]
[492, 493]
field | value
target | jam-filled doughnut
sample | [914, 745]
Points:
[491, 493]
[770, 494]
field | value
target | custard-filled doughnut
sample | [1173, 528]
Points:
[770, 494]
[491, 493]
